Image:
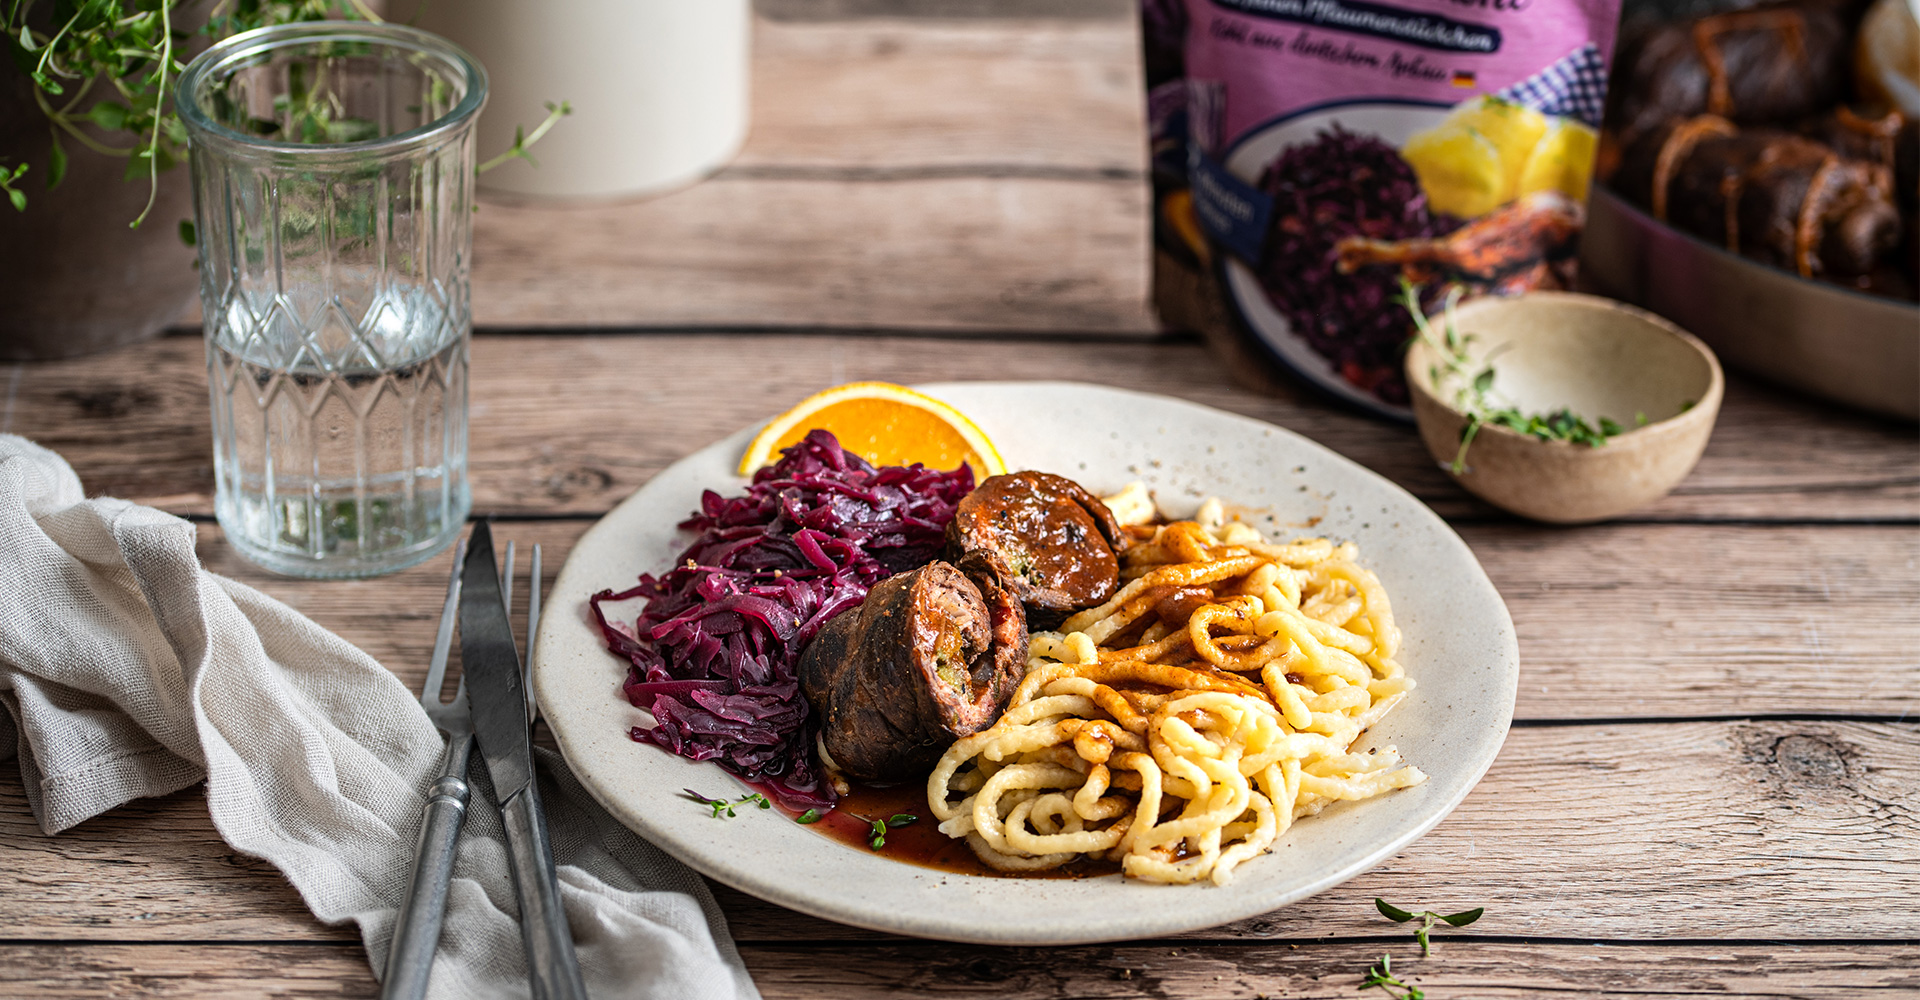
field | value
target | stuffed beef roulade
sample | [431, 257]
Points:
[930, 656]
[1048, 540]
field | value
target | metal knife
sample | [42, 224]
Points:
[498, 698]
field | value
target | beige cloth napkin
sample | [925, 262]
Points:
[127, 670]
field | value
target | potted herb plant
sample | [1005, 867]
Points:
[95, 242]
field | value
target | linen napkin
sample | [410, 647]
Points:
[127, 670]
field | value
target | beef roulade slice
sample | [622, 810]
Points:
[930, 656]
[1048, 540]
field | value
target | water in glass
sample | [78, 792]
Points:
[333, 189]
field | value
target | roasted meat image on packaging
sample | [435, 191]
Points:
[1046, 538]
[930, 656]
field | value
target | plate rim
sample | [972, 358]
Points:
[1086, 929]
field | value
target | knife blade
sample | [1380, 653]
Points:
[497, 697]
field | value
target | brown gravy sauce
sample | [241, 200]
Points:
[921, 842]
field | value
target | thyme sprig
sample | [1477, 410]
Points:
[1381, 977]
[522, 139]
[722, 808]
[1474, 397]
[1428, 920]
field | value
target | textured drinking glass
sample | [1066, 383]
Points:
[333, 169]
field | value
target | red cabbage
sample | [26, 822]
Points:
[716, 646]
[1345, 184]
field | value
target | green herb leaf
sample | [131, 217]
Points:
[721, 807]
[1464, 917]
[1381, 977]
[14, 195]
[1391, 912]
[187, 233]
[877, 838]
[1639, 418]
[901, 819]
[1483, 381]
[810, 816]
[56, 162]
[108, 115]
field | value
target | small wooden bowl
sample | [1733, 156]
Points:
[1595, 356]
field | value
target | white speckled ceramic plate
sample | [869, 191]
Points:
[1459, 646]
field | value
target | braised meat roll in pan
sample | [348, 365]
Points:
[930, 656]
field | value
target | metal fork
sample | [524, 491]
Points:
[417, 926]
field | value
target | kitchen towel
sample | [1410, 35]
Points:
[127, 670]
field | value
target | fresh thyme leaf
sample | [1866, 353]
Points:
[878, 836]
[1381, 977]
[56, 162]
[188, 234]
[757, 798]
[1428, 919]
[721, 807]
[522, 140]
[901, 819]
[1639, 418]
[810, 816]
[1391, 912]
[109, 115]
[14, 195]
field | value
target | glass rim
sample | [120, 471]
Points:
[249, 44]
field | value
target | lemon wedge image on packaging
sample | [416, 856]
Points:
[885, 424]
[1475, 160]
[1514, 129]
[1563, 161]
[1459, 169]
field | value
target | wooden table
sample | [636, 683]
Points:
[1713, 780]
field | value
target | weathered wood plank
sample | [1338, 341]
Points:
[945, 253]
[572, 424]
[959, 175]
[988, 96]
[903, 173]
[1461, 968]
[1478, 969]
[1728, 831]
[214, 972]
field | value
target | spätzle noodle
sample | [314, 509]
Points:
[1185, 724]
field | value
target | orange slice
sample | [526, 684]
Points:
[885, 424]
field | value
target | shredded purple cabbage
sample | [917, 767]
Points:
[1345, 184]
[716, 649]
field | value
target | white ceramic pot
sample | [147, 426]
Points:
[658, 88]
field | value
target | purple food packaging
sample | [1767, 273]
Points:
[1311, 155]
